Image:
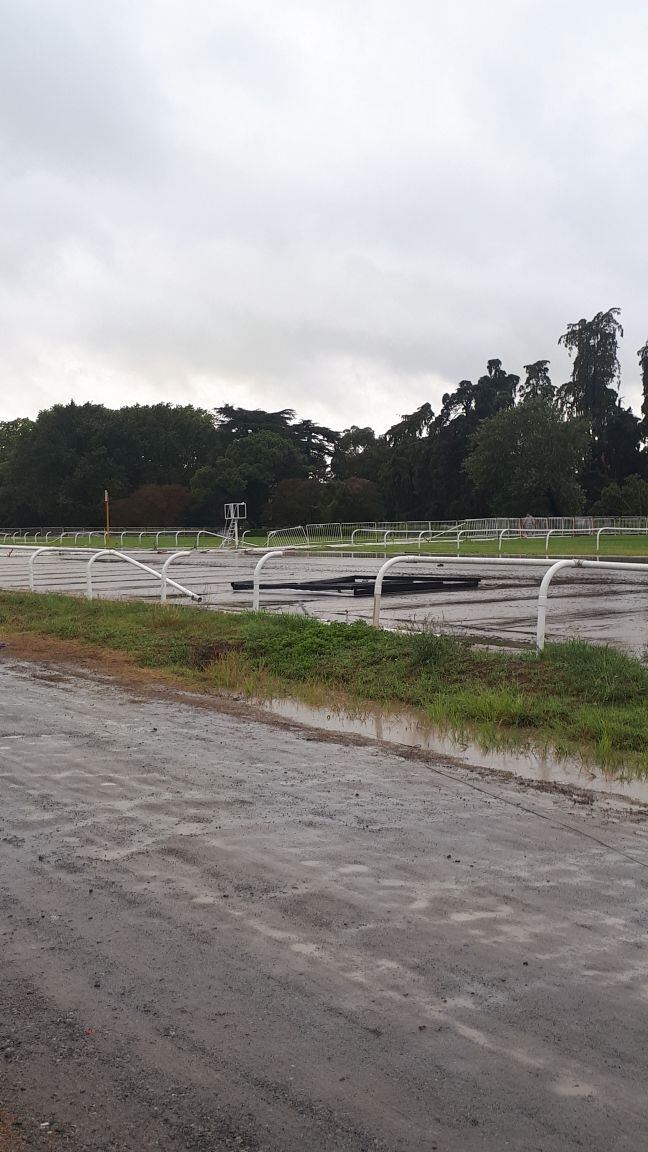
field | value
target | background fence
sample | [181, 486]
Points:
[358, 534]
[481, 528]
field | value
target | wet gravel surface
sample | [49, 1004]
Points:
[217, 933]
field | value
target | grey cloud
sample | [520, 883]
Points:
[344, 208]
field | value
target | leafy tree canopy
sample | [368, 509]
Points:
[527, 459]
[494, 445]
[594, 345]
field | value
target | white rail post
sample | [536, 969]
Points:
[256, 581]
[377, 599]
[606, 528]
[501, 537]
[31, 566]
[543, 597]
[103, 552]
[549, 533]
[177, 534]
[165, 569]
[459, 535]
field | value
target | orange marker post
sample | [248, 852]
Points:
[107, 528]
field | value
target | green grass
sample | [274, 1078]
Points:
[574, 699]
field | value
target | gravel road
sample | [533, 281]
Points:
[220, 932]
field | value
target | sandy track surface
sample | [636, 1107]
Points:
[219, 933]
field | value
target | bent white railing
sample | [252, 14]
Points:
[164, 580]
[162, 576]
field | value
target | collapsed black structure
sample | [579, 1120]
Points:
[364, 585]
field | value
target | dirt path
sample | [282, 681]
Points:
[218, 933]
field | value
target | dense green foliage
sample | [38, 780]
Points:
[576, 697]
[500, 445]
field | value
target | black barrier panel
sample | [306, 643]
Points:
[364, 585]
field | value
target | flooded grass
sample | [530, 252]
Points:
[576, 699]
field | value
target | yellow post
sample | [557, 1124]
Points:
[107, 528]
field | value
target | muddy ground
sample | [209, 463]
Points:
[221, 932]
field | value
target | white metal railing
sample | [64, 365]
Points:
[82, 535]
[165, 572]
[162, 576]
[481, 560]
[374, 532]
[256, 579]
[38, 552]
[526, 561]
[288, 537]
[597, 565]
[476, 528]
[618, 531]
[552, 570]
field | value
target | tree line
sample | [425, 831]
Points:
[504, 445]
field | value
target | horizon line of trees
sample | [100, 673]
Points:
[505, 445]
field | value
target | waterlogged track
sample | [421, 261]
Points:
[223, 933]
[602, 607]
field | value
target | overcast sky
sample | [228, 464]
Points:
[340, 206]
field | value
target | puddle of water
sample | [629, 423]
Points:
[411, 728]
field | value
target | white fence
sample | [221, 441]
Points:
[366, 533]
[361, 534]
[25, 564]
[92, 537]
[525, 562]
[31, 555]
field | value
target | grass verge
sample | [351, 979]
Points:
[576, 699]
